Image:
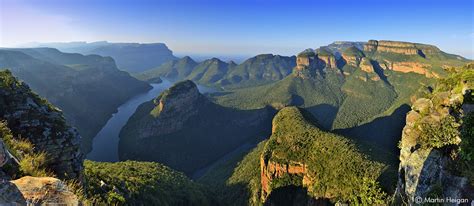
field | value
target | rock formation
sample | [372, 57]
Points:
[172, 109]
[33, 118]
[398, 47]
[353, 56]
[300, 154]
[431, 141]
[37, 191]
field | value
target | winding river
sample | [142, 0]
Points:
[105, 143]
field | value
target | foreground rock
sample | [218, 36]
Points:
[435, 148]
[41, 191]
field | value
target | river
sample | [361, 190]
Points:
[105, 143]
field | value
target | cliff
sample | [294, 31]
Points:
[300, 154]
[399, 47]
[436, 146]
[30, 117]
[186, 130]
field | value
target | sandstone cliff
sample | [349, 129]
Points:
[398, 47]
[435, 145]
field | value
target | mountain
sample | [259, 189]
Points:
[261, 69]
[183, 129]
[325, 83]
[175, 69]
[131, 57]
[299, 164]
[436, 148]
[87, 88]
[41, 162]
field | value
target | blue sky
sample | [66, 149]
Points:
[245, 27]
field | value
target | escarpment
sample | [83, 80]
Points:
[32, 118]
[398, 47]
[437, 142]
[327, 165]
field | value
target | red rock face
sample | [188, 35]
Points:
[273, 170]
[329, 61]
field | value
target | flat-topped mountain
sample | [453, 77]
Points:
[87, 88]
[185, 130]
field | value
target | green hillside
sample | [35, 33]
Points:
[258, 70]
[141, 183]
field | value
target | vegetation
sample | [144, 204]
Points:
[140, 183]
[335, 166]
[30, 162]
[237, 181]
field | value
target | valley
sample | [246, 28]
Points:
[324, 126]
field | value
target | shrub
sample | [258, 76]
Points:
[441, 134]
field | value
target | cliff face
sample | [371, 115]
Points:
[431, 148]
[30, 117]
[300, 154]
[406, 48]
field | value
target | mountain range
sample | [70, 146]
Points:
[364, 123]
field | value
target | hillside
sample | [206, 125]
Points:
[261, 69]
[298, 164]
[348, 85]
[86, 88]
[130, 57]
[184, 130]
[141, 183]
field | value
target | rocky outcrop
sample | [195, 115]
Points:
[399, 47]
[366, 65]
[352, 56]
[416, 67]
[269, 171]
[300, 154]
[429, 148]
[172, 109]
[3, 154]
[33, 118]
[37, 191]
[326, 59]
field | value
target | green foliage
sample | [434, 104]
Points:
[35, 165]
[237, 181]
[30, 162]
[334, 163]
[139, 183]
[437, 135]
[467, 136]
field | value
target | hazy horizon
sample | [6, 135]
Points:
[239, 28]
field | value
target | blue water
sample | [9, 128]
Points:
[105, 143]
